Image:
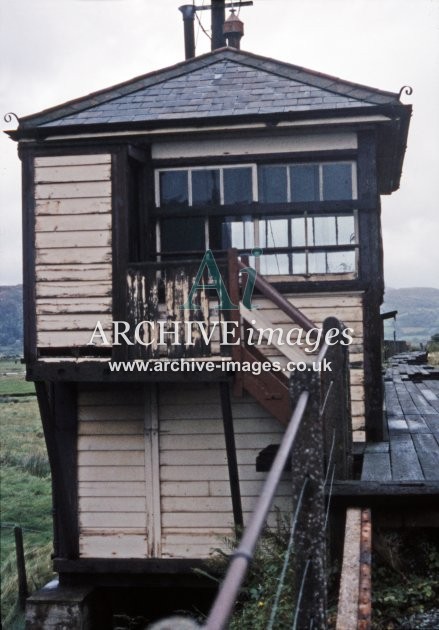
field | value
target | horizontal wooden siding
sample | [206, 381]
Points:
[196, 508]
[118, 514]
[73, 248]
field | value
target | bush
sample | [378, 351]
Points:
[258, 594]
[405, 578]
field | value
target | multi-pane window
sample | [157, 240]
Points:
[180, 189]
[306, 182]
[316, 240]
[205, 186]
[293, 244]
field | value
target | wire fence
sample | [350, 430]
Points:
[317, 441]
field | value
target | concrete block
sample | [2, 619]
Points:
[56, 607]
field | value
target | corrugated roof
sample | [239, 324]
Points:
[225, 82]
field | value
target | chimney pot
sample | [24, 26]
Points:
[233, 30]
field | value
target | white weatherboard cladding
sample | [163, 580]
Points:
[275, 143]
[73, 248]
[153, 476]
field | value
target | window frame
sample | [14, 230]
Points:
[306, 213]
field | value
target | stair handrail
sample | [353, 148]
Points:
[318, 455]
[242, 557]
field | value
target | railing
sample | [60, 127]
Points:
[238, 288]
[156, 293]
[317, 441]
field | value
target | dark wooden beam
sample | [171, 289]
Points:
[386, 495]
[120, 232]
[131, 565]
[99, 372]
[136, 573]
[28, 236]
[372, 274]
[57, 403]
[255, 208]
[232, 461]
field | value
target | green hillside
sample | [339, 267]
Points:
[11, 320]
[418, 313]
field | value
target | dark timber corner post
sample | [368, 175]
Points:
[58, 409]
[307, 466]
[336, 405]
[372, 276]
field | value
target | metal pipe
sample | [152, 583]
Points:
[188, 11]
[225, 601]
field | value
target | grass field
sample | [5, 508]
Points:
[25, 489]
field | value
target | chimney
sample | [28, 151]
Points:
[188, 11]
[233, 30]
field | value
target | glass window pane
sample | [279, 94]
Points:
[205, 187]
[173, 188]
[310, 231]
[273, 232]
[337, 181]
[274, 264]
[341, 262]
[298, 232]
[233, 234]
[317, 262]
[304, 180]
[238, 233]
[238, 185]
[324, 230]
[249, 232]
[182, 235]
[346, 230]
[272, 184]
[299, 263]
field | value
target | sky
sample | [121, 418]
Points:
[52, 51]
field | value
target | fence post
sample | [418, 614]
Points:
[21, 568]
[336, 400]
[307, 463]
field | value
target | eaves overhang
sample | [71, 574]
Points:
[391, 122]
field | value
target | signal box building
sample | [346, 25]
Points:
[124, 191]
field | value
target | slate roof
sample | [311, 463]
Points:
[226, 82]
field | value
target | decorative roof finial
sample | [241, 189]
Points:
[233, 30]
[406, 89]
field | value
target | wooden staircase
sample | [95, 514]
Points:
[270, 387]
